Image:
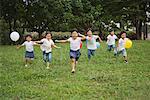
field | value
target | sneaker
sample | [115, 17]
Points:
[47, 67]
[26, 65]
[126, 62]
[73, 71]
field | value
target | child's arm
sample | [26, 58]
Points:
[83, 37]
[61, 41]
[55, 46]
[100, 40]
[19, 46]
[38, 42]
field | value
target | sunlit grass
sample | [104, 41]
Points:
[104, 77]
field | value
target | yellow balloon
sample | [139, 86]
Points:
[128, 44]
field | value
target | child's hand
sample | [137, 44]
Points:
[56, 40]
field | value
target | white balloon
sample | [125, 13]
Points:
[14, 36]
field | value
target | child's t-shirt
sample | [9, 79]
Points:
[47, 45]
[91, 42]
[29, 46]
[122, 42]
[111, 39]
[43, 46]
[75, 44]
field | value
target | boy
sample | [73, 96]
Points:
[91, 43]
[75, 42]
[111, 39]
[121, 45]
[29, 53]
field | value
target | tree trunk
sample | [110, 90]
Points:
[138, 29]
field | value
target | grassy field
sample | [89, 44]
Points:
[103, 78]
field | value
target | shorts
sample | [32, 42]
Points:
[123, 52]
[47, 57]
[75, 54]
[110, 47]
[29, 55]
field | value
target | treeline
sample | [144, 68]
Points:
[64, 15]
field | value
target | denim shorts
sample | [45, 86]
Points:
[110, 47]
[123, 52]
[29, 54]
[75, 54]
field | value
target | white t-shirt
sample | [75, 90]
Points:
[47, 45]
[29, 45]
[42, 46]
[111, 39]
[91, 42]
[75, 44]
[122, 42]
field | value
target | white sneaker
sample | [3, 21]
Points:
[47, 67]
[26, 65]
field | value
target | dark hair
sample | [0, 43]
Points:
[48, 32]
[28, 35]
[121, 33]
[89, 29]
[74, 30]
[111, 30]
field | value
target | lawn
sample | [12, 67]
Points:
[103, 78]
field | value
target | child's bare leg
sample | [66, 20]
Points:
[125, 59]
[26, 62]
[73, 65]
[30, 61]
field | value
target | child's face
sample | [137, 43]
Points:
[28, 38]
[74, 35]
[112, 33]
[48, 36]
[123, 35]
[89, 33]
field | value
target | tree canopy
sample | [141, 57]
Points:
[64, 15]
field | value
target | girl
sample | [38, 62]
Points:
[47, 44]
[75, 42]
[29, 53]
[91, 43]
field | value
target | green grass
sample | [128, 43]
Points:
[103, 78]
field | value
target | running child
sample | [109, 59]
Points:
[111, 41]
[47, 45]
[75, 42]
[29, 53]
[121, 45]
[91, 43]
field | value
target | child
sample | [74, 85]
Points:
[29, 54]
[47, 44]
[111, 39]
[121, 45]
[91, 43]
[75, 42]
